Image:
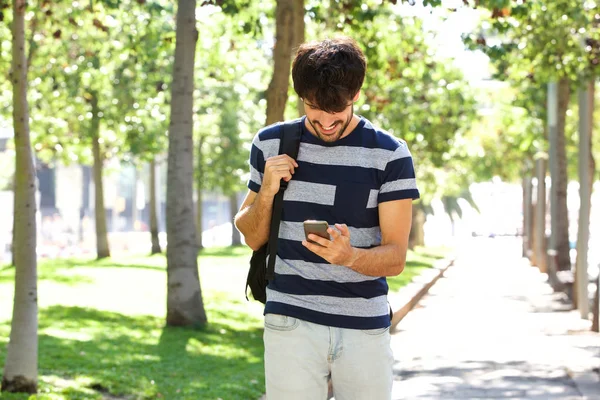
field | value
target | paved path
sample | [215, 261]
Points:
[493, 329]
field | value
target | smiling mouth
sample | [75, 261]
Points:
[329, 129]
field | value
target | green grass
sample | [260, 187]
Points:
[102, 333]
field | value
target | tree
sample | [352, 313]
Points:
[184, 296]
[145, 72]
[540, 41]
[229, 102]
[277, 92]
[20, 369]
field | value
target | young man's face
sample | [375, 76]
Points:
[329, 127]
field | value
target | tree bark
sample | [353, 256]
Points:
[134, 201]
[560, 218]
[236, 238]
[539, 237]
[154, 209]
[586, 183]
[12, 243]
[184, 296]
[20, 368]
[527, 214]
[199, 212]
[299, 38]
[417, 231]
[277, 92]
[102, 248]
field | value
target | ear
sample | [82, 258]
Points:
[356, 96]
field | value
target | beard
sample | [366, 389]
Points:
[334, 134]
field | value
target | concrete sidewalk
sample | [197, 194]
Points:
[491, 328]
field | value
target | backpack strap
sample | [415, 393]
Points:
[289, 144]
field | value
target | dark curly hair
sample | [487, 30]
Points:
[329, 73]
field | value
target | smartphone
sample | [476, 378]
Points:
[317, 228]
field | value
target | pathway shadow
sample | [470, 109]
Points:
[485, 380]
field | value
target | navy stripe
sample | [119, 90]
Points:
[401, 168]
[292, 250]
[336, 174]
[257, 159]
[270, 132]
[339, 321]
[253, 186]
[399, 195]
[294, 284]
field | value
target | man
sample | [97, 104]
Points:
[327, 315]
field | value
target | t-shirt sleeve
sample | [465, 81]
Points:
[257, 165]
[399, 177]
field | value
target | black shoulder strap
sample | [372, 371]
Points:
[289, 144]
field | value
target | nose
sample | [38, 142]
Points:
[327, 119]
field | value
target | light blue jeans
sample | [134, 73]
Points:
[300, 356]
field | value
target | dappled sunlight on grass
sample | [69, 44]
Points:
[135, 355]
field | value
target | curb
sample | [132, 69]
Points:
[407, 297]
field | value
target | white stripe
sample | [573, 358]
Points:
[344, 156]
[400, 184]
[372, 203]
[319, 271]
[256, 176]
[359, 237]
[269, 147]
[309, 192]
[352, 307]
[401, 152]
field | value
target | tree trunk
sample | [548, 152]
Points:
[586, 183]
[199, 219]
[277, 92]
[102, 248]
[560, 219]
[299, 37]
[12, 243]
[596, 313]
[199, 175]
[539, 237]
[528, 212]
[417, 231]
[20, 368]
[134, 201]
[184, 296]
[154, 209]
[534, 239]
[236, 238]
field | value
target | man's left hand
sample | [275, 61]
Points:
[338, 250]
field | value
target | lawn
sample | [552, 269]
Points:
[102, 334]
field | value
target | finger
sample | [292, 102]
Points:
[334, 233]
[292, 161]
[343, 229]
[316, 238]
[315, 248]
[284, 166]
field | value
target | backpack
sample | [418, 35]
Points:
[260, 273]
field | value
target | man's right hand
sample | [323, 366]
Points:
[277, 168]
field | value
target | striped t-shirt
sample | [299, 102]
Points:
[340, 182]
